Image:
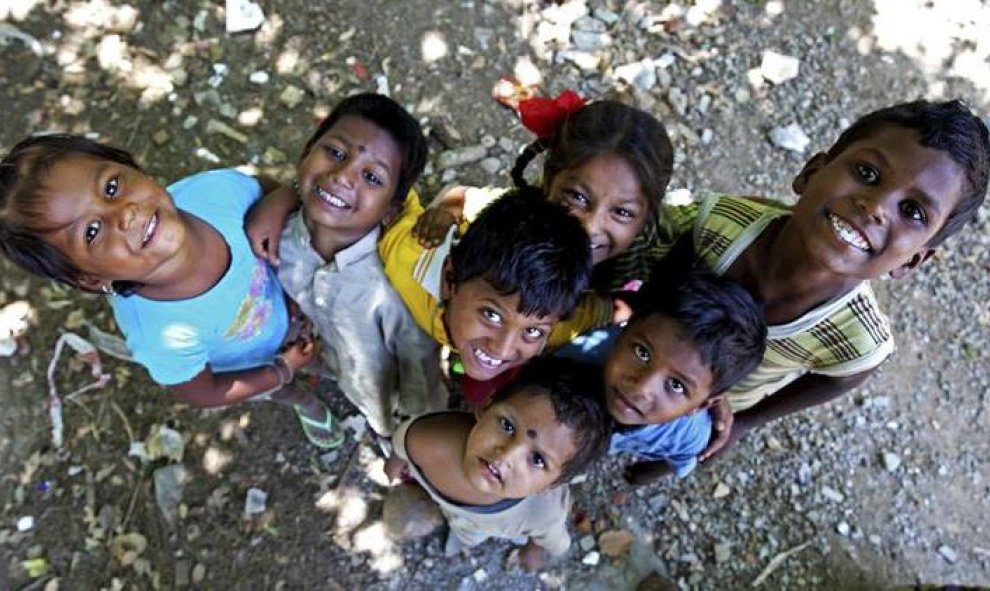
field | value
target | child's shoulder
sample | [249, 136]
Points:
[225, 187]
[436, 432]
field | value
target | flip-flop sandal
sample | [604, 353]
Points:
[312, 428]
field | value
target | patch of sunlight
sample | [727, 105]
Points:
[215, 460]
[385, 557]
[349, 505]
[231, 429]
[17, 9]
[433, 46]
[774, 8]
[942, 38]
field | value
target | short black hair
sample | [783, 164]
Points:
[23, 222]
[576, 392]
[389, 115]
[521, 243]
[949, 126]
[715, 314]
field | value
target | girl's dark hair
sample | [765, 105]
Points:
[523, 244]
[576, 393]
[23, 222]
[948, 126]
[602, 128]
[390, 116]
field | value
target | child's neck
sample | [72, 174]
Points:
[778, 269]
[329, 242]
[200, 263]
[440, 456]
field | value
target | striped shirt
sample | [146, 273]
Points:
[846, 335]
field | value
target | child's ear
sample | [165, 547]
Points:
[813, 165]
[447, 280]
[913, 263]
[711, 401]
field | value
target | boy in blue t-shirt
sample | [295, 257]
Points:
[685, 345]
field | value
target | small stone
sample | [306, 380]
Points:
[160, 137]
[832, 494]
[587, 543]
[25, 523]
[506, 145]
[291, 96]
[843, 528]
[641, 74]
[258, 77]
[198, 573]
[491, 165]
[658, 502]
[950, 555]
[488, 141]
[591, 559]
[791, 138]
[586, 61]
[254, 501]
[891, 461]
[721, 490]
[778, 68]
[616, 542]
[480, 576]
[190, 122]
[182, 571]
[460, 156]
[243, 15]
[875, 539]
[723, 551]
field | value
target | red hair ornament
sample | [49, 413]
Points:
[544, 116]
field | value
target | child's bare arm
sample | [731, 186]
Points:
[532, 556]
[264, 222]
[805, 392]
[220, 389]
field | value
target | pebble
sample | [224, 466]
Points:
[641, 74]
[491, 165]
[259, 77]
[254, 501]
[723, 551]
[460, 156]
[721, 490]
[591, 559]
[658, 502]
[506, 145]
[198, 573]
[587, 543]
[25, 523]
[891, 461]
[832, 494]
[843, 528]
[791, 138]
[291, 96]
[778, 68]
[950, 555]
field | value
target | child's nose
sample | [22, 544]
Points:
[345, 174]
[873, 206]
[126, 216]
[502, 345]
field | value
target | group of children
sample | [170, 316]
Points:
[746, 309]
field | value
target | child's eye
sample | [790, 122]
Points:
[373, 179]
[506, 425]
[539, 461]
[111, 187]
[491, 315]
[914, 212]
[534, 333]
[576, 199]
[92, 229]
[641, 353]
[624, 214]
[868, 174]
[676, 386]
[334, 152]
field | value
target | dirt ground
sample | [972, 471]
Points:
[886, 487]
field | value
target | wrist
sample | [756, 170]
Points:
[283, 370]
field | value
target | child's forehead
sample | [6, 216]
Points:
[481, 289]
[532, 404]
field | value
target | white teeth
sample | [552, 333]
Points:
[152, 224]
[595, 246]
[486, 359]
[330, 198]
[848, 234]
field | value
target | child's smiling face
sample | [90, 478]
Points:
[517, 447]
[653, 375]
[348, 178]
[873, 208]
[489, 331]
[114, 223]
[605, 194]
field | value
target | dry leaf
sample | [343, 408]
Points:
[615, 543]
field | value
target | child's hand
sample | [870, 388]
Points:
[299, 353]
[722, 419]
[621, 308]
[532, 557]
[396, 468]
[265, 220]
[432, 225]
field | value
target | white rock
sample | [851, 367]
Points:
[790, 138]
[778, 68]
[259, 77]
[891, 461]
[950, 555]
[255, 500]
[291, 96]
[843, 528]
[585, 61]
[723, 551]
[25, 523]
[641, 74]
[243, 15]
[491, 165]
[832, 494]
[460, 156]
[587, 543]
[591, 558]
